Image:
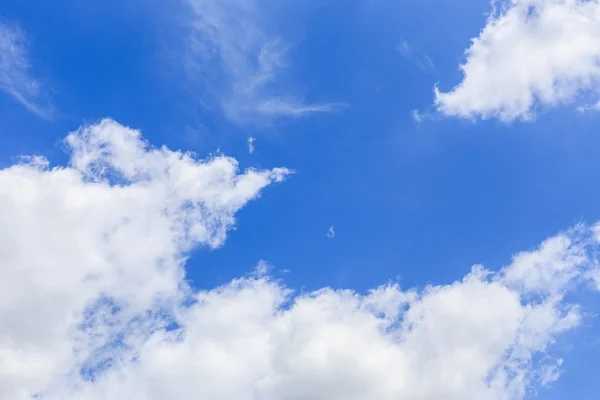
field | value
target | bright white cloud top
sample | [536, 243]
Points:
[110, 230]
[95, 305]
[531, 53]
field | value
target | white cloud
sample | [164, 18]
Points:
[531, 53]
[113, 228]
[330, 233]
[15, 76]
[233, 44]
[95, 306]
[251, 142]
[477, 338]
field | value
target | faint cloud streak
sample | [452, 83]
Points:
[294, 108]
[589, 107]
[15, 76]
[420, 59]
[242, 63]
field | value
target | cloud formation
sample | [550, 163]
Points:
[15, 71]
[530, 54]
[234, 50]
[589, 107]
[99, 246]
[93, 255]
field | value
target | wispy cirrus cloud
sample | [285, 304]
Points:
[420, 59]
[295, 108]
[243, 62]
[16, 78]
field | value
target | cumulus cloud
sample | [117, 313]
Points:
[91, 248]
[15, 70]
[251, 142]
[530, 54]
[95, 304]
[234, 48]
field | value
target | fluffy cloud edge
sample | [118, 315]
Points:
[93, 254]
[530, 54]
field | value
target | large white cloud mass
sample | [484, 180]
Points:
[94, 303]
[530, 53]
[109, 232]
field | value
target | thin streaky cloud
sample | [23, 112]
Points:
[417, 57]
[16, 79]
[242, 63]
[292, 108]
[425, 63]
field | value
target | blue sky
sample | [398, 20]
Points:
[417, 187]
